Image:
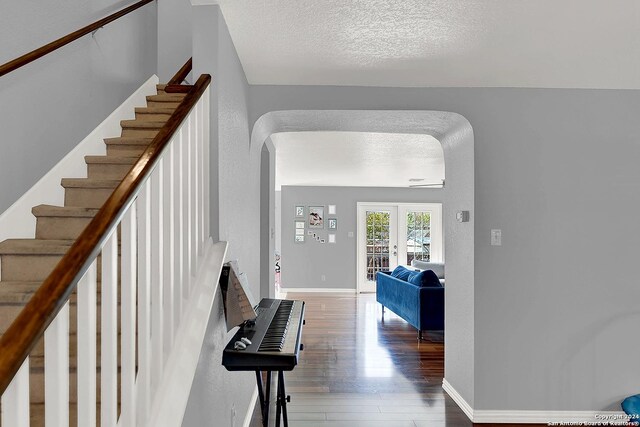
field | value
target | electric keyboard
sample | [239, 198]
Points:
[275, 338]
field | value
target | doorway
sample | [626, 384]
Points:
[392, 234]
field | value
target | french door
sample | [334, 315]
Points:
[395, 234]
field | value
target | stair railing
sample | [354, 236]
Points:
[159, 214]
[63, 41]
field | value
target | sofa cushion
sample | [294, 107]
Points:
[426, 278]
[401, 272]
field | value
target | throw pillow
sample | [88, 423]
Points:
[426, 278]
[401, 272]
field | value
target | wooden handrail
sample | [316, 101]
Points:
[182, 73]
[22, 335]
[57, 44]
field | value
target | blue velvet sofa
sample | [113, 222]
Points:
[415, 296]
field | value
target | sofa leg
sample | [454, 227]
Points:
[420, 335]
[382, 310]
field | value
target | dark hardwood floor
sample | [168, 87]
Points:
[358, 370]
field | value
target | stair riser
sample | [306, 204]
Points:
[37, 267]
[27, 268]
[108, 171]
[139, 133]
[156, 104]
[125, 150]
[87, 197]
[60, 227]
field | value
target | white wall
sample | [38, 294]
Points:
[304, 264]
[556, 170]
[49, 106]
[174, 37]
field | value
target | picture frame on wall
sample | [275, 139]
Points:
[299, 231]
[299, 239]
[332, 223]
[316, 216]
[299, 224]
[299, 211]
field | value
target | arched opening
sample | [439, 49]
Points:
[455, 134]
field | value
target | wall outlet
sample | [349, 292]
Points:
[323, 278]
[496, 237]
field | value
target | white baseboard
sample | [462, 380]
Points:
[310, 290]
[466, 408]
[252, 404]
[533, 417]
[17, 221]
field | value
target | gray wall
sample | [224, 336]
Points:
[174, 37]
[216, 394]
[557, 171]
[303, 264]
[49, 106]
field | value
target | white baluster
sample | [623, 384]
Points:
[186, 197]
[202, 159]
[87, 347]
[15, 400]
[168, 246]
[178, 226]
[157, 240]
[143, 380]
[128, 288]
[193, 231]
[109, 334]
[56, 370]
[206, 156]
[197, 159]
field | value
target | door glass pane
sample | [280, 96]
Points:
[418, 236]
[377, 243]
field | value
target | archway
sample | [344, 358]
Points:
[456, 136]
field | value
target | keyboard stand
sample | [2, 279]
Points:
[281, 398]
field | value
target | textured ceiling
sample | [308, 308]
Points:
[430, 43]
[356, 159]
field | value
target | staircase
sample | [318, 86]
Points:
[25, 263]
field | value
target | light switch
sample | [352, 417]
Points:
[496, 237]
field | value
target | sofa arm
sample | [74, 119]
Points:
[431, 308]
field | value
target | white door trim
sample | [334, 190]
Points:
[361, 254]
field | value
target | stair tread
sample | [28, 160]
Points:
[142, 124]
[89, 183]
[111, 160]
[35, 247]
[128, 140]
[64, 211]
[169, 97]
